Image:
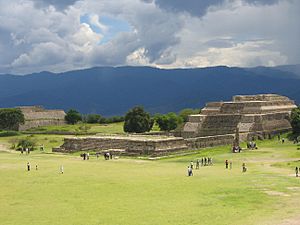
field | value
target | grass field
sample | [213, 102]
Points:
[133, 191]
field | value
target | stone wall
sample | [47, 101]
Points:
[210, 141]
[131, 145]
[36, 116]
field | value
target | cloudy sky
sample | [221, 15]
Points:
[61, 35]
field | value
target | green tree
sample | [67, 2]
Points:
[168, 122]
[186, 112]
[137, 121]
[10, 119]
[295, 120]
[93, 118]
[73, 117]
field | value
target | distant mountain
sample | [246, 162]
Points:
[113, 91]
[290, 68]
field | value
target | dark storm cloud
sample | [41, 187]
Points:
[58, 4]
[199, 7]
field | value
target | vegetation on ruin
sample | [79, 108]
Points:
[132, 191]
[168, 121]
[137, 120]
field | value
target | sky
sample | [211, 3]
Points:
[63, 35]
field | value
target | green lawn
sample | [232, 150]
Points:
[132, 191]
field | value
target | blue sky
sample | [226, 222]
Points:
[55, 35]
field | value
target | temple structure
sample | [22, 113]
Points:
[36, 116]
[253, 115]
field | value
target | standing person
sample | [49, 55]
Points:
[282, 140]
[226, 164]
[202, 161]
[192, 165]
[28, 166]
[87, 156]
[26, 149]
[244, 167]
[297, 171]
[190, 171]
[36, 167]
[22, 150]
[61, 169]
[205, 161]
[230, 164]
[110, 155]
[197, 164]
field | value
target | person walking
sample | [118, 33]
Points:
[244, 168]
[296, 171]
[197, 164]
[192, 165]
[28, 166]
[226, 164]
[190, 171]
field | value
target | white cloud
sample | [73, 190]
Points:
[49, 34]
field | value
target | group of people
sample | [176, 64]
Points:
[26, 150]
[85, 156]
[251, 145]
[205, 161]
[236, 149]
[108, 155]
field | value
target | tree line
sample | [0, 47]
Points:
[136, 120]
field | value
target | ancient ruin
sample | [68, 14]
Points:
[219, 123]
[36, 116]
[253, 115]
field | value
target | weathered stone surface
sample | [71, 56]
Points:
[132, 145]
[252, 114]
[36, 116]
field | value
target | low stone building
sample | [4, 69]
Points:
[36, 116]
[127, 144]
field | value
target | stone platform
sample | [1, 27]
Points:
[253, 115]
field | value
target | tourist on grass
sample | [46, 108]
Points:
[87, 156]
[61, 169]
[22, 150]
[205, 161]
[297, 171]
[28, 166]
[190, 171]
[230, 164]
[110, 155]
[202, 161]
[226, 164]
[36, 167]
[282, 140]
[197, 164]
[244, 168]
[192, 165]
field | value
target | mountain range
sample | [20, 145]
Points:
[114, 90]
